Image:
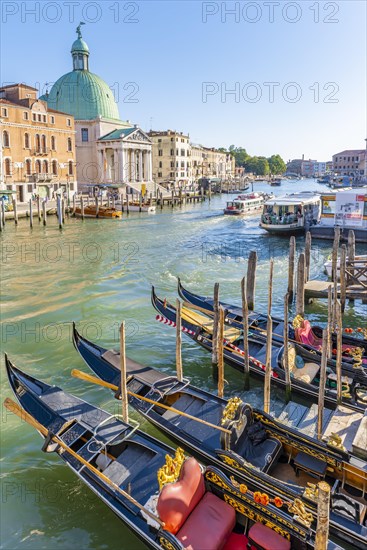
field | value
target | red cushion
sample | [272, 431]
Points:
[177, 500]
[209, 525]
[236, 541]
[266, 538]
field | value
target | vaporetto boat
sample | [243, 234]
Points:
[250, 203]
[293, 213]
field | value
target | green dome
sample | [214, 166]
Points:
[83, 95]
[79, 46]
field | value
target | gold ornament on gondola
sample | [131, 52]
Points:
[170, 471]
[298, 509]
[297, 321]
[311, 492]
[336, 441]
[230, 409]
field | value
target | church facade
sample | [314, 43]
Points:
[108, 149]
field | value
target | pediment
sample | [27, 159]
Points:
[139, 136]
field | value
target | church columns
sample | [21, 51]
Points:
[132, 165]
[104, 165]
[141, 166]
[116, 166]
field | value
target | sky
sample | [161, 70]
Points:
[274, 77]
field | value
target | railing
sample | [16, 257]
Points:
[41, 151]
[43, 177]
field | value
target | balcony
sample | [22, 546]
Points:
[43, 177]
[41, 151]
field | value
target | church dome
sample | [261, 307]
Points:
[81, 93]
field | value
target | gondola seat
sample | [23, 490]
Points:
[305, 335]
[197, 518]
[267, 539]
[260, 452]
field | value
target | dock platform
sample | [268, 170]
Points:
[319, 289]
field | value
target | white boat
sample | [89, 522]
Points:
[345, 209]
[249, 203]
[361, 261]
[291, 213]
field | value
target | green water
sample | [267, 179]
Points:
[98, 273]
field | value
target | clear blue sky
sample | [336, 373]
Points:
[171, 49]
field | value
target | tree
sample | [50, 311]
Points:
[276, 164]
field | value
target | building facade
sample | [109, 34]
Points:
[171, 157]
[351, 162]
[37, 145]
[125, 158]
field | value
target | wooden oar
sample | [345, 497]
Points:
[89, 378]
[23, 415]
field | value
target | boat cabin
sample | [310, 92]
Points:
[291, 213]
[245, 204]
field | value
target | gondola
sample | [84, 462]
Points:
[304, 380]
[270, 465]
[305, 334]
[165, 498]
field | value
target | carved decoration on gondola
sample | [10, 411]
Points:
[297, 321]
[170, 471]
[230, 409]
[248, 512]
[167, 545]
[311, 492]
[336, 441]
[298, 508]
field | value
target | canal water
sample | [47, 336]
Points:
[98, 273]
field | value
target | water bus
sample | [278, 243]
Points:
[291, 213]
[246, 204]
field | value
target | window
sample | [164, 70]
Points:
[28, 167]
[160, 164]
[45, 166]
[182, 152]
[71, 168]
[25, 115]
[38, 166]
[71, 186]
[172, 152]
[159, 140]
[69, 145]
[6, 142]
[34, 117]
[172, 175]
[54, 167]
[160, 152]
[68, 122]
[30, 188]
[4, 111]
[44, 118]
[172, 164]
[85, 134]
[172, 139]
[52, 119]
[7, 167]
[53, 143]
[38, 143]
[44, 143]
[182, 164]
[159, 174]
[26, 141]
[39, 118]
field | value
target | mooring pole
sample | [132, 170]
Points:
[124, 398]
[251, 279]
[246, 361]
[300, 298]
[307, 256]
[30, 213]
[343, 267]
[15, 209]
[339, 351]
[334, 257]
[269, 331]
[288, 387]
[221, 354]
[178, 341]
[270, 288]
[323, 510]
[44, 212]
[215, 332]
[291, 261]
[322, 383]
